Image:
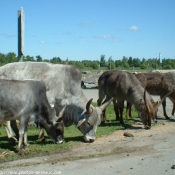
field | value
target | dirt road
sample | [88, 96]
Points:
[148, 152]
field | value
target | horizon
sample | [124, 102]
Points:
[84, 30]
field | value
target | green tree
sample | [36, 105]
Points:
[56, 60]
[39, 58]
[11, 57]
[130, 61]
[102, 61]
[29, 58]
[124, 60]
[126, 66]
[3, 59]
[118, 63]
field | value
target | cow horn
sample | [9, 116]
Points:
[105, 105]
[81, 122]
[88, 106]
[161, 101]
[61, 112]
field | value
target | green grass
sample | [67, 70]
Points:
[72, 137]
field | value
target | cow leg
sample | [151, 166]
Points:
[116, 109]
[164, 109]
[99, 102]
[26, 143]
[41, 135]
[9, 132]
[128, 110]
[173, 110]
[120, 107]
[22, 133]
[13, 124]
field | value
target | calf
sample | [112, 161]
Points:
[26, 101]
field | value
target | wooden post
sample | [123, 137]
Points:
[20, 34]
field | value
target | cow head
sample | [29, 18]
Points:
[55, 127]
[56, 132]
[90, 119]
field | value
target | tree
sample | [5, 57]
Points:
[130, 61]
[95, 65]
[126, 65]
[56, 60]
[136, 62]
[102, 61]
[39, 58]
[118, 63]
[29, 58]
[11, 57]
[124, 60]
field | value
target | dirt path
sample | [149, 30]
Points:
[148, 152]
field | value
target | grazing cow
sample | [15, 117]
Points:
[63, 85]
[122, 85]
[26, 101]
[157, 84]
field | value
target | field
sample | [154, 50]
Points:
[72, 137]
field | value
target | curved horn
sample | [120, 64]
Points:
[163, 98]
[88, 106]
[61, 112]
[105, 105]
[81, 122]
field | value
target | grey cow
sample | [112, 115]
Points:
[26, 101]
[63, 85]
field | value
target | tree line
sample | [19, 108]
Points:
[125, 62]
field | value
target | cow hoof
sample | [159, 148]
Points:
[147, 127]
[19, 151]
[60, 142]
[13, 140]
[167, 118]
[43, 139]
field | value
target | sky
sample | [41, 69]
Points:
[86, 29]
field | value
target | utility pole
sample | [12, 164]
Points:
[20, 34]
[160, 60]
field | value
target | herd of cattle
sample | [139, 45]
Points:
[50, 96]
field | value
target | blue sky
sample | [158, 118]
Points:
[87, 29]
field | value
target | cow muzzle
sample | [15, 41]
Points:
[60, 140]
[88, 139]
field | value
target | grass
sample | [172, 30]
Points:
[72, 137]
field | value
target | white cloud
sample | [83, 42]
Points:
[108, 37]
[134, 28]
[43, 42]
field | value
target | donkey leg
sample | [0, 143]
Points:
[164, 109]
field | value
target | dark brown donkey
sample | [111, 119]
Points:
[157, 84]
[122, 85]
